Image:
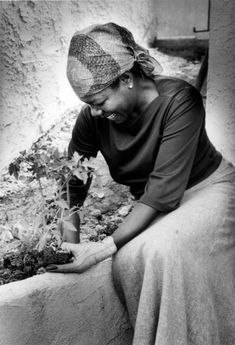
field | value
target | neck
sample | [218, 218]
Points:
[146, 92]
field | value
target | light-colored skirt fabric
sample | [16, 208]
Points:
[177, 278]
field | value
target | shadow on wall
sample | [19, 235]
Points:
[188, 48]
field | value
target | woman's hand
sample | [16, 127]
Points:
[85, 255]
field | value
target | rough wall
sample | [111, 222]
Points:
[64, 309]
[34, 92]
[221, 78]
[177, 18]
[34, 40]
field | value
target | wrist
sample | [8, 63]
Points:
[109, 243]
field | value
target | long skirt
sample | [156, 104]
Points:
[177, 278]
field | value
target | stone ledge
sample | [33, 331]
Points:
[64, 309]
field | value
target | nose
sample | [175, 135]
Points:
[96, 111]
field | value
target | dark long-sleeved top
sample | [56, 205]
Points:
[159, 154]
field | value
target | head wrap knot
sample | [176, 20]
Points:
[148, 64]
[99, 54]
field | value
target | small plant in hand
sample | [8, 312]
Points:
[40, 242]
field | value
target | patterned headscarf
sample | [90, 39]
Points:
[99, 54]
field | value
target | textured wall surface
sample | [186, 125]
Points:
[178, 17]
[221, 78]
[64, 309]
[34, 92]
[34, 41]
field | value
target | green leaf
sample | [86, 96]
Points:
[88, 164]
[42, 242]
[78, 173]
[76, 157]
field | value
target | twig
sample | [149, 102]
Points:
[43, 204]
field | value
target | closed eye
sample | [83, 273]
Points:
[98, 104]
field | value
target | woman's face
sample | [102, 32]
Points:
[115, 104]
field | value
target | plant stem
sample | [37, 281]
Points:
[43, 205]
[68, 194]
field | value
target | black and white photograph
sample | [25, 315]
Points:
[117, 172]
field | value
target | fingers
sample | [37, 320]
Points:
[67, 268]
[77, 250]
[80, 250]
[51, 268]
[86, 254]
[70, 247]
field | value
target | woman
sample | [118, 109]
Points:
[174, 254]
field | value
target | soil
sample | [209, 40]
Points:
[105, 207]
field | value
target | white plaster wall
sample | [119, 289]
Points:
[177, 18]
[64, 309]
[35, 35]
[221, 78]
[34, 92]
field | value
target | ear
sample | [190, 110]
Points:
[127, 79]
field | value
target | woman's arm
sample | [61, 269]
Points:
[89, 254]
[136, 222]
